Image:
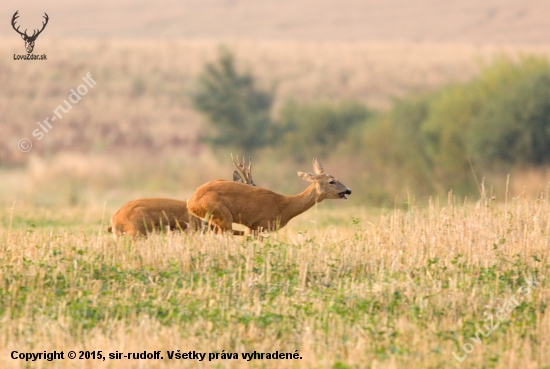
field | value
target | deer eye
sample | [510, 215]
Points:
[332, 182]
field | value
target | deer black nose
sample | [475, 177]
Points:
[348, 192]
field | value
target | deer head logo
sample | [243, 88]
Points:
[29, 40]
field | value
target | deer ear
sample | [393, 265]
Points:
[310, 177]
[317, 167]
[23, 37]
[237, 177]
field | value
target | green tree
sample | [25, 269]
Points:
[238, 110]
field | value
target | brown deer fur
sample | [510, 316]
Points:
[223, 203]
[139, 217]
[142, 216]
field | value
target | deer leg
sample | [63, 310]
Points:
[204, 224]
[222, 219]
[208, 224]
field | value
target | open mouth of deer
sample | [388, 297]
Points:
[344, 193]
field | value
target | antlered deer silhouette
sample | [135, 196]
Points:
[29, 40]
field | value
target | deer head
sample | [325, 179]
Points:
[29, 40]
[326, 185]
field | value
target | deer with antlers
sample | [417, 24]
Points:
[224, 202]
[29, 40]
[142, 216]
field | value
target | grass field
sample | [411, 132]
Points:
[345, 287]
[448, 283]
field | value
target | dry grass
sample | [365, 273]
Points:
[403, 288]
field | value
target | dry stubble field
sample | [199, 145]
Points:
[347, 288]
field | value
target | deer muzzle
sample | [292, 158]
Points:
[344, 193]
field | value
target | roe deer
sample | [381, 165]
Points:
[138, 217]
[224, 202]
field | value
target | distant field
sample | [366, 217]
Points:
[446, 21]
[141, 100]
[346, 288]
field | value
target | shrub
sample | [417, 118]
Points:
[467, 121]
[499, 119]
[514, 126]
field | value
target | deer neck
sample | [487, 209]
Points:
[296, 205]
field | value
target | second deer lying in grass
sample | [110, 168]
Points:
[142, 216]
[224, 202]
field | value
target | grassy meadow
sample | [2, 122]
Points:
[348, 287]
[382, 281]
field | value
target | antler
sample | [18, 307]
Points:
[246, 171]
[15, 16]
[35, 34]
